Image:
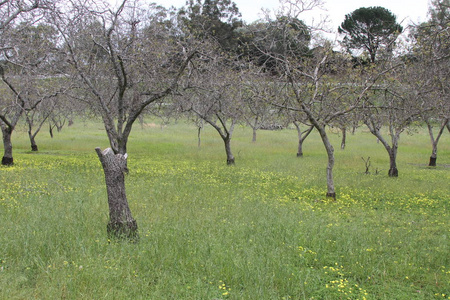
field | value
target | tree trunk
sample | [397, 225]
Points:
[50, 130]
[199, 136]
[393, 171]
[331, 193]
[230, 157]
[433, 157]
[300, 148]
[344, 137]
[7, 159]
[434, 142]
[254, 135]
[121, 223]
[34, 146]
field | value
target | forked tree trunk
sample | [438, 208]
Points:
[7, 159]
[392, 151]
[301, 137]
[435, 141]
[121, 223]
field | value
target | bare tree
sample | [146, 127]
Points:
[27, 55]
[396, 106]
[259, 93]
[215, 95]
[430, 57]
[36, 118]
[323, 84]
[124, 59]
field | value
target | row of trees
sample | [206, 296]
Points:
[203, 61]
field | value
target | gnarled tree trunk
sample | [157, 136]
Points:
[121, 223]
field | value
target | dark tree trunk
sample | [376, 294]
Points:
[344, 137]
[300, 148]
[254, 135]
[433, 157]
[7, 159]
[432, 161]
[51, 130]
[393, 171]
[121, 223]
[34, 146]
[199, 136]
[230, 157]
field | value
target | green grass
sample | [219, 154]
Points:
[259, 230]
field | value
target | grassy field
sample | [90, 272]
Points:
[261, 229]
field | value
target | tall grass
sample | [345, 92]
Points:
[259, 230]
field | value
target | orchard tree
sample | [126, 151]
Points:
[123, 59]
[36, 118]
[323, 86]
[371, 29]
[395, 104]
[215, 94]
[259, 94]
[27, 73]
[430, 58]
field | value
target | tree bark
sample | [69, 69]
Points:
[121, 223]
[7, 159]
[34, 146]
[344, 137]
[331, 193]
[230, 157]
[254, 135]
[393, 171]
